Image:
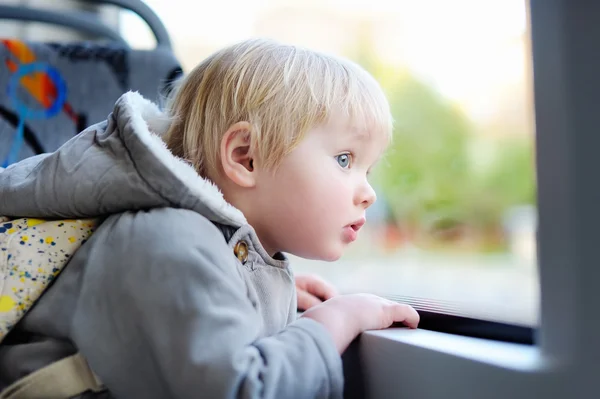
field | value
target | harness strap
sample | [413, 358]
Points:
[63, 379]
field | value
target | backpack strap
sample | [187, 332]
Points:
[32, 254]
[63, 379]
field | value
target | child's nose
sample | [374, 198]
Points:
[367, 196]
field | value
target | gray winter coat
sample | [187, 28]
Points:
[156, 300]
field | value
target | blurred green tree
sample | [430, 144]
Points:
[428, 176]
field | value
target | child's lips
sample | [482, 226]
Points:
[351, 230]
[356, 225]
[350, 234]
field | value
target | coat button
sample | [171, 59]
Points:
[241, 251]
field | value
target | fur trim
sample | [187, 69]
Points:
[149, 124]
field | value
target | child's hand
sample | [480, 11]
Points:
[346, 316]
[312, 290]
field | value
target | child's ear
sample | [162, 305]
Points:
[236, 156]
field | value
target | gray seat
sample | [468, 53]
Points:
[55, 90]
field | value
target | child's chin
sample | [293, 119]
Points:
[332, 256]
[323, 254]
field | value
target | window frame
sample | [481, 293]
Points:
[566, 357]
[477, 328]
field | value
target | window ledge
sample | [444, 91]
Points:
[425, 364]
[496, 353]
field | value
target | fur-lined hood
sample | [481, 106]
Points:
[118, 165]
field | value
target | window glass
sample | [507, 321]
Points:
[453, 229]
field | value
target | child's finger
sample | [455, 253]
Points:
[320, 288]
[307, 300]
[406, 314]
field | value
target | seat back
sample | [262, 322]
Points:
[56, 90]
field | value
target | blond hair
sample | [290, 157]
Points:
[282, 91]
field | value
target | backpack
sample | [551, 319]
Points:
[32, 254]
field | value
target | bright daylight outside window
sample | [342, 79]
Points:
[453, 229]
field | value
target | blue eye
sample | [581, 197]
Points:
[344, 160]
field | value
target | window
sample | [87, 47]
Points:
[453, 230]
[36, 31]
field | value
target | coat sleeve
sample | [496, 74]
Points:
[163, 313]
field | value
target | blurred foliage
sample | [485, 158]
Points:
[430, 176]
[425, 169]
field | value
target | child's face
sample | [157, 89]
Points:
[314, 205]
